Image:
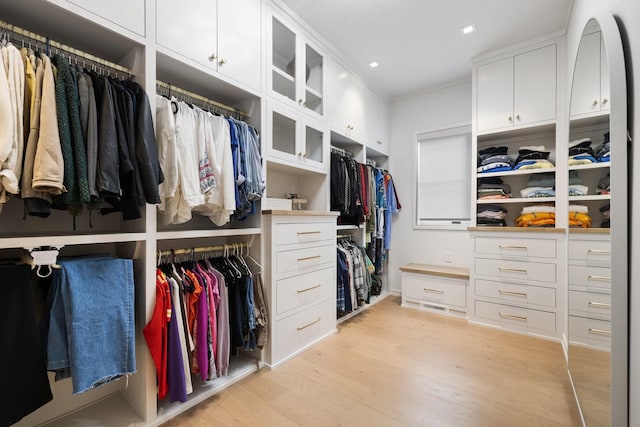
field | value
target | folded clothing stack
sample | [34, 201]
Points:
[533, 157]
[494, 159]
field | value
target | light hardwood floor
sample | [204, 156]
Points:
[393, 366]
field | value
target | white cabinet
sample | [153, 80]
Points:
[516, 91]
[300, 280]
[590, 91]
[228, 40]
[296, 139]
[296, 73]
[590, 289]
[435, 288]
[517, 283]
[377, 122]
[129, 14]
[346, 102]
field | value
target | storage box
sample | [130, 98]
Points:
[273, 204]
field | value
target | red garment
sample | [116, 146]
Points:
[364, 191]
[155, 332]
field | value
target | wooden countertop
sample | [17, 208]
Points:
[301, 213]
[519, 229]
[589, 231]
[437, 270]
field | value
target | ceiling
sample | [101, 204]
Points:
[418, 43]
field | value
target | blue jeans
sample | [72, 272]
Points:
[92, 330]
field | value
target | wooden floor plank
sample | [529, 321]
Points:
[392, 366]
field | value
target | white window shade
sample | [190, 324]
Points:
[444, 177]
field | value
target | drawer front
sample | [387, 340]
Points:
[516, 271]
[590, 304]
[516, 248]
[510, 293]
[590, 331]
[305, 289]
[300, 259]
[598, 278]
[596, 252]
[516, 318]
[297, 331]
[287, 234]
[435, 289]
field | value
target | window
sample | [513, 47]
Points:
[444, 177]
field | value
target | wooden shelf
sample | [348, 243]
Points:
[599, 165]
[373, 301]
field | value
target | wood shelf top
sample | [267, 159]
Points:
[437, 270]
[300, 213]
[518, 229]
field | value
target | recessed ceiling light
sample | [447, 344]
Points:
[468, 29]
[373, 64]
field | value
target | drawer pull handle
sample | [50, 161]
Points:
[599, 278]
[512, 317]
[309, 324]
[595, 331]
[512, 293]
[308, 232]
[301, 291]
[433, 291]
[513, 270]
[522, 248]
[599, 251]
[309, 257]
[599, 305]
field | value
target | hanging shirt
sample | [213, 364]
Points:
[391, 208]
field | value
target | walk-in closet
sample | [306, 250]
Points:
[291, 212]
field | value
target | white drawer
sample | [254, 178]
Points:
[445, 291]
[516, 248]
[517, 318]
[287, 234]
[510, 293]
[596, 252]
[516, 271]
[598, 278]
[305, 289]
[590, 331]
[301, 329]
[590, 304]
[299, 260]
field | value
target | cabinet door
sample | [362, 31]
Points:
[585, 93]
[345, 102]
[282, 56]
[284, 134]
[129, 14]
[604, 77]
[188, 27]
[494, 101]
[315, 141]
[535, 86]
[312, 78]
[377, 123]
[240, 41]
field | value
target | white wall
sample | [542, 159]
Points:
[430, 110]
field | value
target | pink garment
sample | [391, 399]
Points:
[202, 317]
[224, 337]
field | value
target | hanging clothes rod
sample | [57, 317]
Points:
[61, 46]
[341, 151]
[171, 88]
[219, 248]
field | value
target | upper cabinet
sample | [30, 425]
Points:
[296, 74]
[590, 92]
[296, 140]
[128, 14]
[229, 35]
[518, 90]
[346, 103]
[377, 111]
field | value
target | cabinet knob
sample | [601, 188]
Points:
[510, 119]
[305, 155]
[212, 57]
[594, 103]
[304, 104]
[604, 101]
[518, 117]
[222, 61]
[300, 101]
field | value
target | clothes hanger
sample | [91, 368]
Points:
[253, 260]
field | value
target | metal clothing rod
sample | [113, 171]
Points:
[61, 46]
[229, 247]
[171, 88]
[341, 151]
